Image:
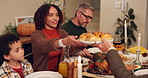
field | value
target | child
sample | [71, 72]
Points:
[12, 62]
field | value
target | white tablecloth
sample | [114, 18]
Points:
[132, 55]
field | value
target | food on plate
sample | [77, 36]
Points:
[119, 47]
[89, 37]
[98, 34]
[100, 65]
[106, 36]
[133, 49]
[94, 36]
[83, 37]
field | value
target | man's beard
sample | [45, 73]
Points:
[84, 24]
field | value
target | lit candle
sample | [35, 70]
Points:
[125, 30]
[79, 67]
[139, 40]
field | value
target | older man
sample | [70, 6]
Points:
[83, 16]
[77, 25]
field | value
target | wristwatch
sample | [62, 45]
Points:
[61, 43]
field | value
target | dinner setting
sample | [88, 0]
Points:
[98, 67]
[74, 39]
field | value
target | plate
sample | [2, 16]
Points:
[92, 42]
[87, 42]
[94, 50]
[141, 72]
[44, 74]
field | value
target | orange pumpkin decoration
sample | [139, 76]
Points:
[26, 29]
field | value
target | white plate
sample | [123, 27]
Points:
[44, 74]
[94, 50]
[93, 42]
[87, 42]
[141, 72]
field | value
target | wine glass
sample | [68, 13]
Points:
[117, 42]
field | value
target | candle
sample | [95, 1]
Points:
[79, 59]
[125, 30]
[139, 40]
[79, 67]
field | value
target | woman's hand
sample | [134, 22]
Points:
[71, 40]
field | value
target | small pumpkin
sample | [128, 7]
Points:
[26, 29]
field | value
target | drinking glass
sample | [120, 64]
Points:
[129, 64]
[117, 38]
[117, 42]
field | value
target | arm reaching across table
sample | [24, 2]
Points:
[115, 62]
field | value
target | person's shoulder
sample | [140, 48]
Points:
[25, 61]
[66, 24]
[62, 30]
[0, 67]
[1, 71]
[37, 33]
[3, 66]
[27, 65]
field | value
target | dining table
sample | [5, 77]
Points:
[131, 55]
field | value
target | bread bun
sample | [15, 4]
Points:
[98, 34]
[106, 36]
[93, 38]
[83, 37]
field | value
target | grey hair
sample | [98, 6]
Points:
[83, 6]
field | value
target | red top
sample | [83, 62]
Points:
[54, 56]
[19, 70]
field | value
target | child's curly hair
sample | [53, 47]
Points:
[5, 41]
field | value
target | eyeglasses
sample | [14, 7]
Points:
[87, 17]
